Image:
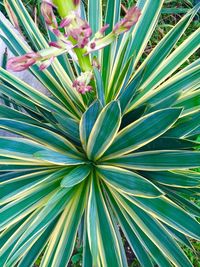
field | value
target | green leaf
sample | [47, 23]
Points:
[76, 176]
[10, 236]
[185, 204]
[57, 158]
[29, 92]
[99, 86]
[41, 220]
[184, 126]
[164, 103]
[121, 78]
[179, 236]
[171, 214]
[101, 137]
[35, 251]
[69, 126]
[19, 208]
[21, 185]
[128, 182]
[156, 232]
[144, 28]
[180, 83]
[140, 241]
[19, 145]
[87, 122]
[164, 47]
[167, 67]
[38, 41]
[159, 160]
[142, 131]
[63, 238]
[8, 165]
[170, 143]
[18, 98]
[19, 47]
[128, 93]
[174, 178]
[92, 224]
[190, 101]
[107, 244]
[112, 16]
[9, 113]
[87, 258]
[136, 245]
[39, 134]
[95, 15]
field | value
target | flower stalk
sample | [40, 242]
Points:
[75, 40]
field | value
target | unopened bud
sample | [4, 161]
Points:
[22, 62]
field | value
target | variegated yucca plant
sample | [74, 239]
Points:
[109, 155]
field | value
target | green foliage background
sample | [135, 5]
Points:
[172, 12]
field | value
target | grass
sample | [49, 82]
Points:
[172, 12]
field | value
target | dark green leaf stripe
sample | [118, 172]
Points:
[159, 160]
[174, 179]
[166, 44]
[156, 232]
[132, 238]
[128, 182]
[104, 130]
[187, 205]
[171, 214]
[99, 86]
[185, 125]
[20, 145]
[42, 135]
[76, 176]
[88, 120]
[58, 158]
[170, 143]
[143, 131]
[69, 126]
[108, 245]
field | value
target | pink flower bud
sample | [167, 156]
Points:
[12, 16]
[128, 21]
[65, 22]
[55, 44]
[103, 29]
[100, 33]
[76, 2]
[48, 14]
[22, 62]
[56, 32]
[92, 45]
[82, 82]
[77, 28]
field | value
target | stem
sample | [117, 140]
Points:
[64, 9]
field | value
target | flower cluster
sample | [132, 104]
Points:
[77, 33]
[76, 28]
[128, 21]
[82, 82]
[47, 11]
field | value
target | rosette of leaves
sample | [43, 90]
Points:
[115, 162]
